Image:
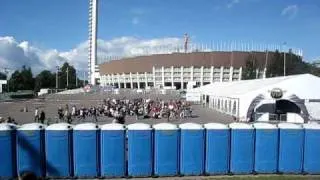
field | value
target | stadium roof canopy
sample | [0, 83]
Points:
[302, 87]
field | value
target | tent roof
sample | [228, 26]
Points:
[299, 84]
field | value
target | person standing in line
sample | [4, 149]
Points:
[36, 115]
[42, 117]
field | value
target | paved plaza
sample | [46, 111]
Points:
[51, 103]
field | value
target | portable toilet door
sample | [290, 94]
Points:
[266, 148]
[86, 150]
[140, 152]
[7, 151]
[113, 150]
[217, 148]
[58, 143]
[290, 148]
[242, 148]
[192, 149]
[166, 160]
[30, 149]
[311, 163]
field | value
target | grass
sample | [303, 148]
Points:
[266, 177]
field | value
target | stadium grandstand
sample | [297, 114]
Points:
[199, 64]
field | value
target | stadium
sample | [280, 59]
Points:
[174, 70]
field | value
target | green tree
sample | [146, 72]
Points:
[65, 70]
[249, 71]
[276, 66]
[294, 65]
[22, 80]
[45, 79]
[3, 76]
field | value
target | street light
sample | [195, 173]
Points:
[67, 77]
[284, 59]
[57, 82]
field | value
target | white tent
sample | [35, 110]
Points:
[2, 82]
[236, 98]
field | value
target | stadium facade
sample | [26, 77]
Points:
[175, 70]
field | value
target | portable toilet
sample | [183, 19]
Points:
[30, 149]
[290, 148]
[266, 148]
[8, 151]
[311, 163]
[217, 148]
[86, 150]
[192, 149]
[242, 148]
[166, 160]
[140, 152]
[113, 150]
[58, 143]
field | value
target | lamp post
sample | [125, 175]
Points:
[76, 80]
[284, 59]
[67, 77]
[57, 76]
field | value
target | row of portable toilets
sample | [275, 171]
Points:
[138, 150]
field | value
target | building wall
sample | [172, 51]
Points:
[174, 77]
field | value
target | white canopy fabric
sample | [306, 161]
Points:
[304, 86]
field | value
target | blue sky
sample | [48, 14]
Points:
[62, 24]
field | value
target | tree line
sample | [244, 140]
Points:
[294, 65]
[23, 79]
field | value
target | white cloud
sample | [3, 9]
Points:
[14, 54]
[232, 3]
[135, 21]
[290, 11]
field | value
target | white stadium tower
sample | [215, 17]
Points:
[93, 73]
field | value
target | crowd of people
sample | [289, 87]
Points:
[118, 109]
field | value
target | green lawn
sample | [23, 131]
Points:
[267, 177]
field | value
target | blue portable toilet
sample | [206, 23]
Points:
[266, 148]
[290, 148]
[58, 143]
[192, 149]
[140, 152]
[113, 150]
[166, 160]
[311, 159]
[30, 149]
[86, 150]
[217, 148]
[242, 148]
[8, 151]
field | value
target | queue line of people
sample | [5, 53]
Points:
[120, 108]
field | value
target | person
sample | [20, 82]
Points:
[60, 113]
[42, 117]
[66, 112]
[25, 109]
[94, 113]
[69, 119]
[36, 115]
[73, 112]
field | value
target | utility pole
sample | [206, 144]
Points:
[76, 80]
[284, 59]
[84, 76]
[67, 77]
[57, 76]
